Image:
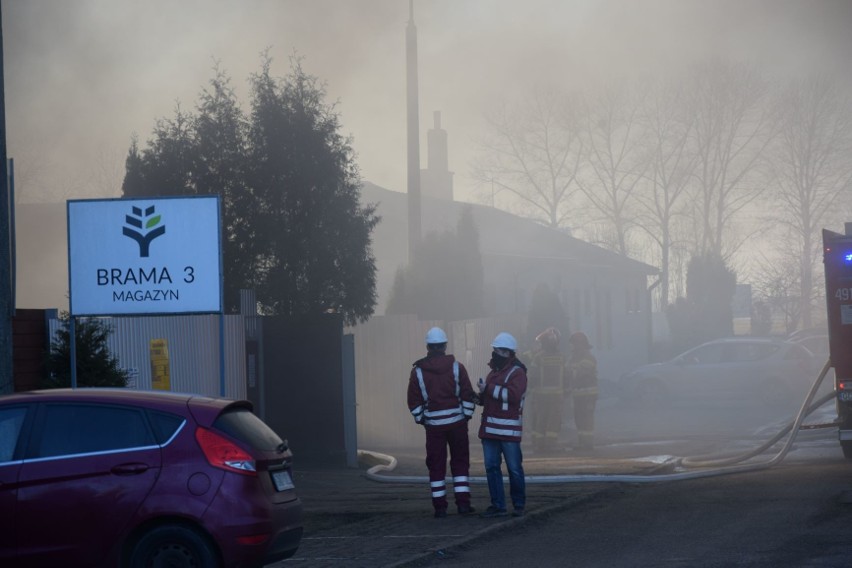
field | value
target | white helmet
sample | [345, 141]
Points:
[505, 341]
[436, 335]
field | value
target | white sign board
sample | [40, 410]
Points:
[144, 256]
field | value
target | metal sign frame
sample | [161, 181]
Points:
[145, 256]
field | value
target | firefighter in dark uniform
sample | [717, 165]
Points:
[546, 389]
[441, 398]
[583, 387]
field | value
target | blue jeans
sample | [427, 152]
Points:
[493, 451]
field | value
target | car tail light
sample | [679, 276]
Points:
[223, 453]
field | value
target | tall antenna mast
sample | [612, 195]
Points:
[412, 108]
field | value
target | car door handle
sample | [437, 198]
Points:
[130, 469]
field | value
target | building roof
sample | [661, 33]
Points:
[501, 234]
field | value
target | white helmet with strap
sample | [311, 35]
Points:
[505, 341]
[435, 335]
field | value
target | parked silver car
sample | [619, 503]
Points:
[748, 369]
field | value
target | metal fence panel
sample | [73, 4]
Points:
[385, 348]
[193, 344]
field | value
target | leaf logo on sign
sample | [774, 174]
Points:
[143, 236]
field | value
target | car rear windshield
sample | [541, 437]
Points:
[242, 424]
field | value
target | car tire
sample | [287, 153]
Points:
[173, 546]
[846, 446]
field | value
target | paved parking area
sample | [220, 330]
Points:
[352, 520]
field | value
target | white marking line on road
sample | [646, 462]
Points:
[384, 536]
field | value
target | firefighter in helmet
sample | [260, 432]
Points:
[546, 387]
[583, 387]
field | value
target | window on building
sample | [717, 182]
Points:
[632, 300]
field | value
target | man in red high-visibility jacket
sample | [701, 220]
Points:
[440, 398]
[501, 395]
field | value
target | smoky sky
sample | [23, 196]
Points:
[83, 76]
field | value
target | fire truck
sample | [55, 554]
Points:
[837, 256]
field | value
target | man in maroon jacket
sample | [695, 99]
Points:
[440, 398]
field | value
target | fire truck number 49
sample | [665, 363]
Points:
[843, 294]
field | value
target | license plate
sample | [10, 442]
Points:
[845, 396]
[282, 480]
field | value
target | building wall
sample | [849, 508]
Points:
[612, 307]
[386, 347]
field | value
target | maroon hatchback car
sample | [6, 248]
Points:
[113, 477]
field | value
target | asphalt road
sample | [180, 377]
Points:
[795, 514]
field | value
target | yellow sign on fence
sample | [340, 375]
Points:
[159, 352]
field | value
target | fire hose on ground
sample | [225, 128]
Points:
[713, 465]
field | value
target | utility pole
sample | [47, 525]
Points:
[413, 116]
[6, 307]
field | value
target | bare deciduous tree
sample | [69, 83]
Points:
[533, 152]
[616, 158]
[732, 130]
[812, 158]
[776, 282]
[671, 166]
